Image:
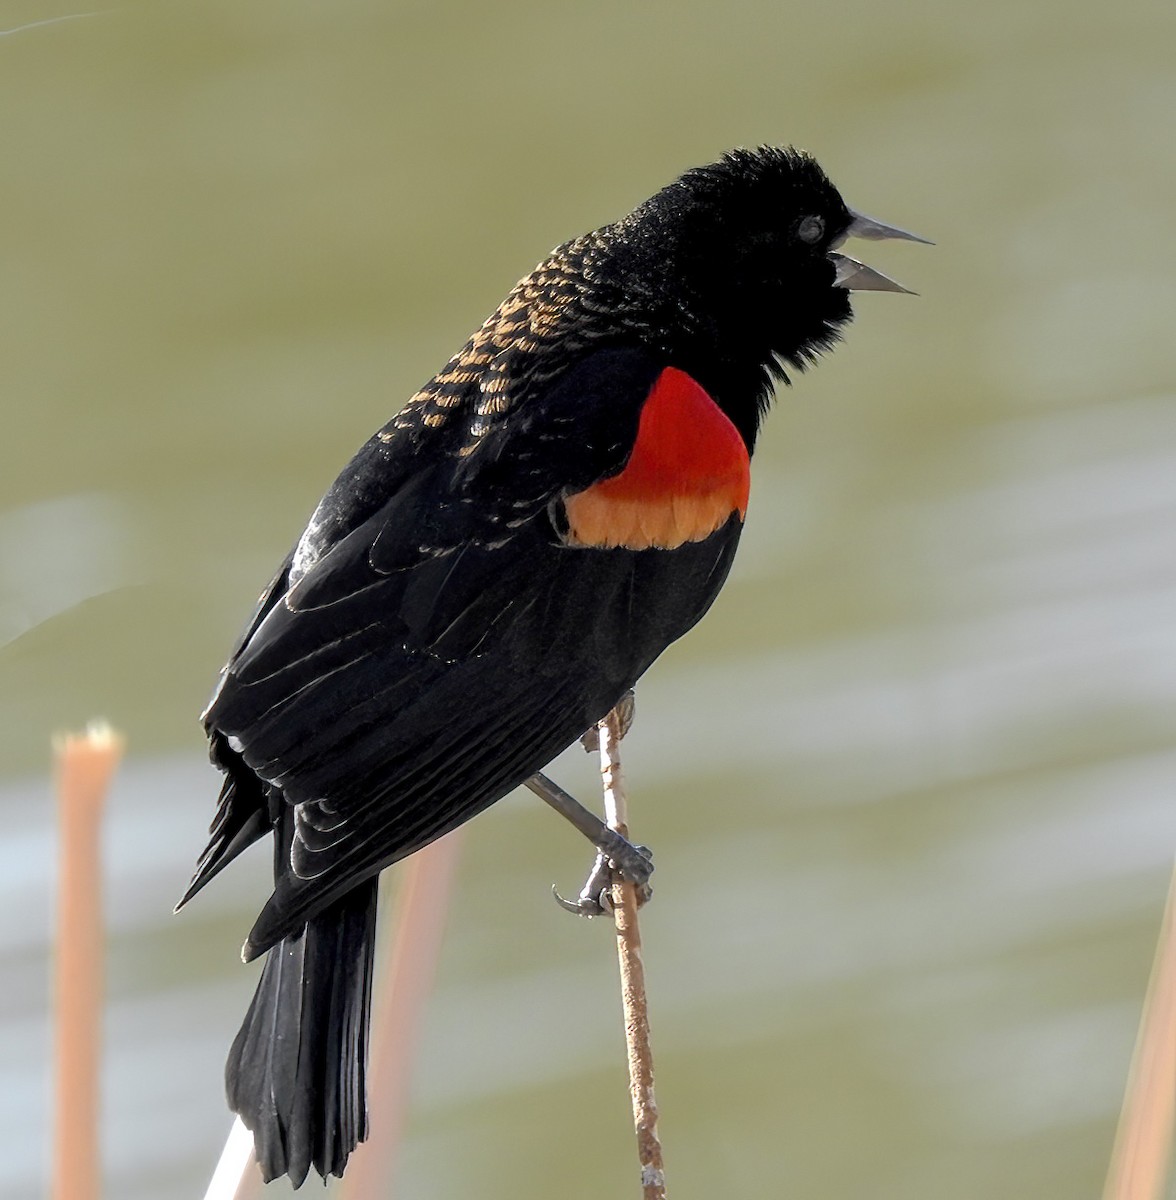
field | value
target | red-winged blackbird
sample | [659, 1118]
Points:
[490, 574]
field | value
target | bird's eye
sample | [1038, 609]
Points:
[810, 230]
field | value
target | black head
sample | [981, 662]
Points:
[735, 264]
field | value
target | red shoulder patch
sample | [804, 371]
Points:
[689, 471]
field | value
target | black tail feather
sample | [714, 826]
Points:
[296, 1071]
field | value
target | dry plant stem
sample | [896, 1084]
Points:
[236, 1176]
[422, 905]
[85, 764]
[1141, 1157]
[624, 894]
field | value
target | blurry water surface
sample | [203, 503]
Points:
[911, 784]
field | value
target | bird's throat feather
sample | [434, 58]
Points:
[688, 472]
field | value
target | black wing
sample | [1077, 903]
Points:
[417, 656]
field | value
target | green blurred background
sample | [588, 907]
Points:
[910, 784]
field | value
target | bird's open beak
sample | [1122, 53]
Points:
[857, 277]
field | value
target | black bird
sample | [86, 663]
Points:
[490, 574]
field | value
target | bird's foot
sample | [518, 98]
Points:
[616, 855]
[595, 898]
[633, 862]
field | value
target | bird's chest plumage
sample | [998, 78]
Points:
[687, 474]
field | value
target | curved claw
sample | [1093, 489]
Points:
[585, 906]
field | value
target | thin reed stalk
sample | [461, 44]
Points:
[1142, 1154]
[637, 1039]
[84, 766]
[236, 1176]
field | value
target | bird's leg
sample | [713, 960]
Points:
[614, 852]
[633, 862]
